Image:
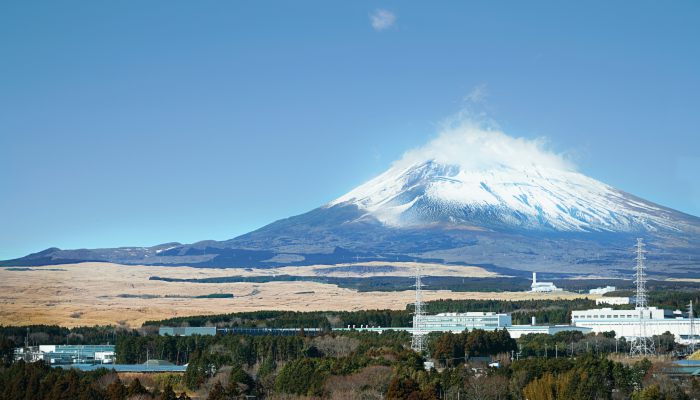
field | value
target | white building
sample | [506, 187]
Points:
[602, 290]
[458, 322]
[542, 287]
[67, 354]
[612, 300]
[489, 321]
[105, 357]
[625, 323]
[607, 314]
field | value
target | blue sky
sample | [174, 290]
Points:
[137, 123]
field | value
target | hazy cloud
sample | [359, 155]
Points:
[477, 147]
[382, 19]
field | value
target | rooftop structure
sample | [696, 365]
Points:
[251, 331]
[149, 366]
[680, 368]
[187, 331]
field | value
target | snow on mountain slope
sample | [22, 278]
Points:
[499, 181]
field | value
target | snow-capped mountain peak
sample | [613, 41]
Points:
[529, 198]
[481, 179]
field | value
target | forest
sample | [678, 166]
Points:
[351, 364]
[355, 365]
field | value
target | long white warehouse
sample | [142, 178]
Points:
[458, 322]
[625, 323]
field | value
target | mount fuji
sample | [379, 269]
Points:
[534, 198]
[470, 196]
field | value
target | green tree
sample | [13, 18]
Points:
[300, 377]
[240, 382]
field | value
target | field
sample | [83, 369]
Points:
[102, 293]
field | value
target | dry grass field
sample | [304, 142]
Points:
[103, 293]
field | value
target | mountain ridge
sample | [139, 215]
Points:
[530, 217]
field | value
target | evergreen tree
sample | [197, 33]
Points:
[218, 392]
[168, 394]
[116, 391]
[136, 388]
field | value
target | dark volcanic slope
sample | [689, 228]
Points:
[343, 234]
[535, 219]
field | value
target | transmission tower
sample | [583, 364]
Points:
[642, 345]
[692, 343]
[418, 338]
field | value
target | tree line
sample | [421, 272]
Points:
[39, 381]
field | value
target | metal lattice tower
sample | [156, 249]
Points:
[692, 343]
[642, 345]
[640, 276]
[418, 338]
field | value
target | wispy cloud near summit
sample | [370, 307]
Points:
[476, 147]
[382, 19]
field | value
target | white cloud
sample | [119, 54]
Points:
[476, 147]
[382, 19]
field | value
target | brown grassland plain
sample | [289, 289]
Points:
[106, 294]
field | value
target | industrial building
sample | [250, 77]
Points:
[89, 358]
[614, 301]
[626, 323]
[542, 287]
[67, 354]
[602, 290]
[458, 322]
[488, 321]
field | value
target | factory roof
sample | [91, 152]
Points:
[147, 367]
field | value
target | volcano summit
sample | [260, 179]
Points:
[471, 196]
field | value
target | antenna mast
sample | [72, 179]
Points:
[418, 338]
[642, 345]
